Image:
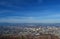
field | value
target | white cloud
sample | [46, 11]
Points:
[53, 16]
[17, 19]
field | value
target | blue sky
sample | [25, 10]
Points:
[30, 11]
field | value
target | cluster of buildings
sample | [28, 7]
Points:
[42, 36]
[41, 30]
[47, 32]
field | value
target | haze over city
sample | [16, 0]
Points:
[29, 19]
